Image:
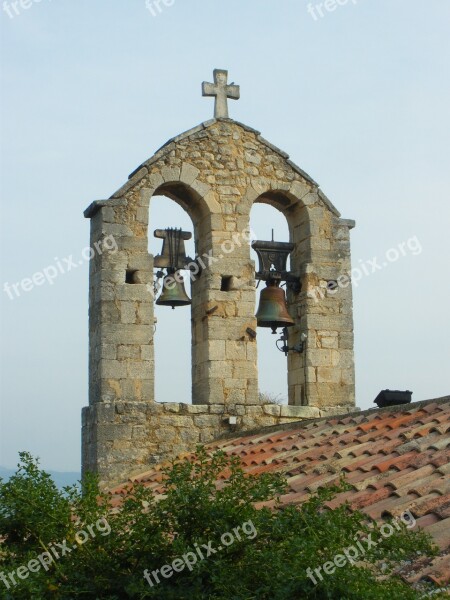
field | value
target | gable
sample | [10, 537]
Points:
[202, 147]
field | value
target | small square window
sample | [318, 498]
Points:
[225, 285]
[130, 276]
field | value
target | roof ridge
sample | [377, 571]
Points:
[294, 425]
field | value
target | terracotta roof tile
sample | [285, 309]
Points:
[430, 484]
[405, 480]
[439, 531]
[395, 459]
[438, 572]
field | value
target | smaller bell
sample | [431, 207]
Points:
[272, 310]
[173, 292]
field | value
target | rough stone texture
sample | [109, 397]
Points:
[216, 172]
[123, 438]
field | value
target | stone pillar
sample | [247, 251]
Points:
[121, 323]
[224, 357]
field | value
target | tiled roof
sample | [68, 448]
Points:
[395, 459]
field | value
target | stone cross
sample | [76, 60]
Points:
[221, 91]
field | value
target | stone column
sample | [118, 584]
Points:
[121, 323]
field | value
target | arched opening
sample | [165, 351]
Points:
[172, 338]
[272, 364]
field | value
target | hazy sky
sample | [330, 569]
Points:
[359, 97]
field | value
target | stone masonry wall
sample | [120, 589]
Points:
[122, 439]
[216, 172]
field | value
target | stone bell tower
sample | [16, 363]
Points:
[215, 171]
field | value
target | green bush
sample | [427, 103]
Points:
[264, 555]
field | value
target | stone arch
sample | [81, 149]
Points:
[199, 203]
[172, 337]
[272, 364]
[181, 186]
[298, 218]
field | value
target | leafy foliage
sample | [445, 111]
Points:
[267, 561]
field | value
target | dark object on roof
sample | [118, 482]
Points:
[392, 398]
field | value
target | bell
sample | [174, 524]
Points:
[173, 293]
[272, 310]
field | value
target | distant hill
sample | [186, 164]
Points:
[60, 478]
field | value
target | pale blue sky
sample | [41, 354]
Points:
[359, 98]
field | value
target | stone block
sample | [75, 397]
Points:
[190, 436]
[346, 340]
[201, 188]
[117, 230]
[166, 434]
[219, 369]
[236, 396]
[170, 174]
[113, 432]
[148, 389]
[128, 312]
[195, 409]
[272, 409]
[235, 383]
[300, 412]
[126, 333]
[254, 410]
[147, 352]
[112, 369]
[296, 376]
[328, 375]
[175, 420]
[139, 369]
[207, 435]
[342, 358]
[216, 350]
[235, 350]
[108, 351]
[189, 173]
[348, 376]
[252, 351]
[328, 342]
[139, 432]
[205, 421]
[319, 358]
[142, 215]
[244, 370]
[133, 352]
[172, 407]
[217, 409]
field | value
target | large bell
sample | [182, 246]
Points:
[173, 293]
[272, 310]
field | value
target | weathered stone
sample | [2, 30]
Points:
[172, 407]
[216, 171]
[272, 409]
[189, 173]
[300, 412]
